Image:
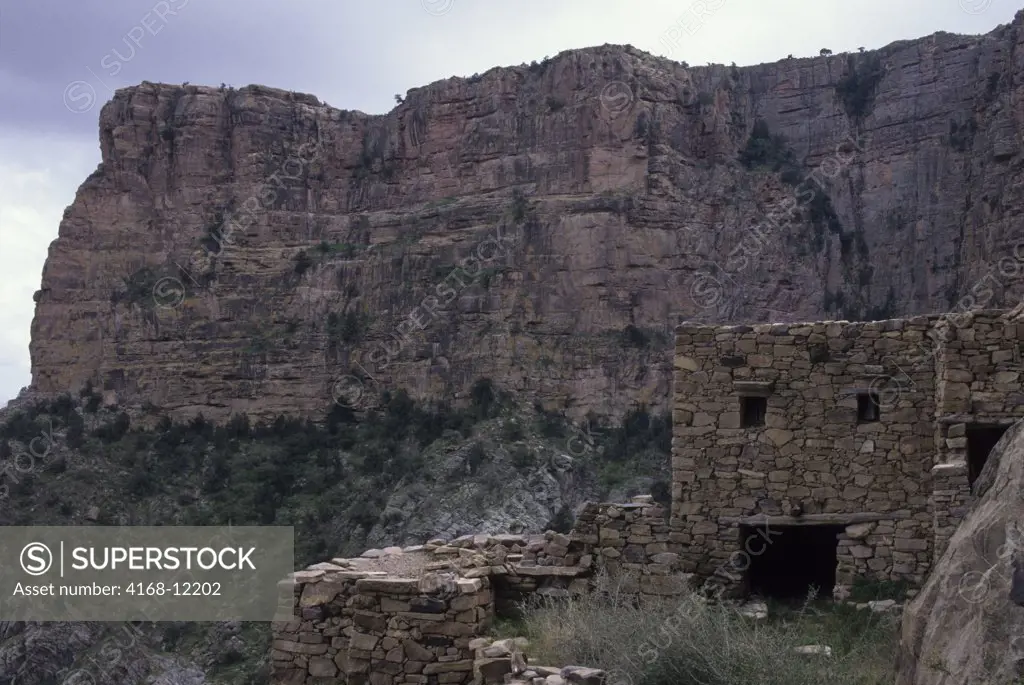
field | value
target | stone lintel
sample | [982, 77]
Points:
[975, 419]
[570, 571]
[758, 388]
[808, 519]
[398, 586]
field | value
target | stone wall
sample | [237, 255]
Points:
[635, 544]
[812, 458]
[897, 481]
[979, 366]
[315, 644]
[415, 615]
[365, 627]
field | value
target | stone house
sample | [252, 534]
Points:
[816, 454]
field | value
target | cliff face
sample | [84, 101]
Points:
[257, 250]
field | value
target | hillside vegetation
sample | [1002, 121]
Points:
[399, 475]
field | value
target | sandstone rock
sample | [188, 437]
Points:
[315, 594]
[326, 566]
[546, 671]
[152, 202]
[883, 605]
[416, 652]
[493, 670]
[755, 609]
[518, 660]
[975, 584]
[858, 531]
[320, 667]
[579, 675]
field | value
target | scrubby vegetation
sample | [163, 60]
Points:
[330, 480]
[765, 150]
[74, 461]
[688, 640]
[856, 89]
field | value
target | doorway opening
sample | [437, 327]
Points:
[981, 439]
[787, 561]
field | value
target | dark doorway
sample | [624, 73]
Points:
[786, 561]
[980, 441]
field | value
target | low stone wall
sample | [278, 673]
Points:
[365, 627]
[403, 635]
[635, 544]
[886, 548]
[416, 615]
[315, 645]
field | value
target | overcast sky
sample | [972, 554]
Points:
[61, 59]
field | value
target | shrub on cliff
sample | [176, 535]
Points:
[689, 641]
[856, 89]
[765, 150]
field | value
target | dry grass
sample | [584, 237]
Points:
[689, 641]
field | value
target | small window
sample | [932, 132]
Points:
[867, 407]
[752, 410]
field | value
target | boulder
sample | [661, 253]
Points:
[494, 670]
[966, 624]
[580, 675]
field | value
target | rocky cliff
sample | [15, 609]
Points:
[543, 225]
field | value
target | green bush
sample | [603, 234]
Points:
[634, 337]
[303, 263]
[484, 400]
[554, 104]
[856, 89]
[638, 432]
[549, 424]
[347, 327]
[688, 640]
[92, 405]
[475, 457]
[114, 431]
[519, 205]
[869, 590]
[511, 431]
[764, 150]
[523, 457]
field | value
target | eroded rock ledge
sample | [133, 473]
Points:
[347, 223]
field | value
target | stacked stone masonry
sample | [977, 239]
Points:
[356, 625]
[856, 423]
[863, 426]
[361, 628]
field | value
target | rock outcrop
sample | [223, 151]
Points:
[967, 624]
[544, 226]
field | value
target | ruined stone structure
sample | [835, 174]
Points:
[803, 454]
[854, 443]
[420, 614]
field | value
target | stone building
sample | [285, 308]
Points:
[819, 453]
